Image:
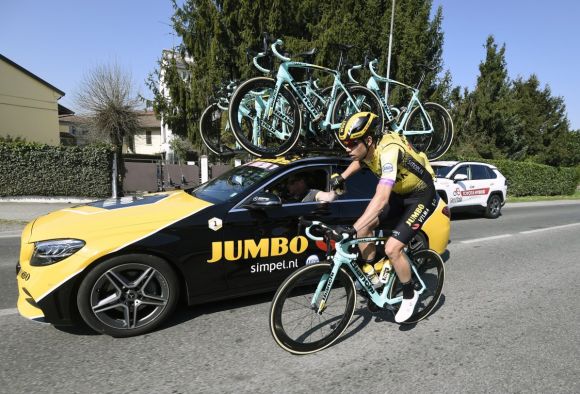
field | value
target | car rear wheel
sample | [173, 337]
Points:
[493, 209]
[128, 295]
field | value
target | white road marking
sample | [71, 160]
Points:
[469, 241]
[7, 312]
[550, 228]
[10, 234]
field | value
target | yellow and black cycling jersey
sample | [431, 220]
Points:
[396, 163]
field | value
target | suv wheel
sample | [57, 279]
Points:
[493, 209]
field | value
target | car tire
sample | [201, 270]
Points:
[493, 208]
[128, 295]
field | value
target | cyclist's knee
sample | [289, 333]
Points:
[393, 248]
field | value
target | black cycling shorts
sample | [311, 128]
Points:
[404, 215]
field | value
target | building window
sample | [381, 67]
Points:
[148, 137]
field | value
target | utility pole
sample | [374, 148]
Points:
[389, 54]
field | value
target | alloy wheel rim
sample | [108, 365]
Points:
[129, 296]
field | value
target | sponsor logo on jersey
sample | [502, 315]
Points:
[415, 166]
[415, 215]
[388, 167]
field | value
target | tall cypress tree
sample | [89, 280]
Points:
[216, 34]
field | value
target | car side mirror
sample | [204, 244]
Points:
[459, 178]
[263, 200]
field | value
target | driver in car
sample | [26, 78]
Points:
[297, 190]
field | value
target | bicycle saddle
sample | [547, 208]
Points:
[343, 47]
[427, 67]
[309, 53]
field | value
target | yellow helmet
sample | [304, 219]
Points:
[358, 126]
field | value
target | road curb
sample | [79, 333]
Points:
[540, 203]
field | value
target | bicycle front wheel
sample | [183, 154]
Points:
[435, 128]
[260, 133]
[213, 129]
[294, 322]
[431, 270]
[361, 100]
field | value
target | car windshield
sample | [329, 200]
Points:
[234, 182]
[441, 171]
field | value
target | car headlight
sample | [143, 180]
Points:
[54, 250]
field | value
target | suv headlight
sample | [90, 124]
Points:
[54, 250]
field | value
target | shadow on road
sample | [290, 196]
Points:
[458, 216]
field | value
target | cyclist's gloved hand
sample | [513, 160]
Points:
[349, 230]
[337, 184]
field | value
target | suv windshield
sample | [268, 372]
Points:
[441, 171]
[234, 182]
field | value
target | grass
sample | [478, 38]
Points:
[575, 196]
[7, 221]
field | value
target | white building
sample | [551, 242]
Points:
[168, 55]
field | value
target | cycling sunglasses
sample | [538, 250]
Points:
[351, 144]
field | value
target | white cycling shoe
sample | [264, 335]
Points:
[407, 308]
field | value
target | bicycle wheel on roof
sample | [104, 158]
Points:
[430, 131]
[264, 125]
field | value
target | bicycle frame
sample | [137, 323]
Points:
[341, 258]
[284, 77]
[373, 85]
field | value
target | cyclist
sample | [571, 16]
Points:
[405, 192]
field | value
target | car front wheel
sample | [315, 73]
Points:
[128, 295]
[493, 209]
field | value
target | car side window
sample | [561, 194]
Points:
[361, 185]
[300, 185]
[462, 170]
[479, 172]
[491, 173]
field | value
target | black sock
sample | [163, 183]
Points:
[408, 289]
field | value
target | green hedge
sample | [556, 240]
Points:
[29, 169]
[532, 179]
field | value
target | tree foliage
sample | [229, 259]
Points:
[514, 119]
[217, 33]
[501, 118]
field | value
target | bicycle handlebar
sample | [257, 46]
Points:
[257, 65]
[328, 231]
[350, 70]
[372, 64]
[278, 54]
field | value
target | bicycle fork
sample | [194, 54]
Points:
[323, 289]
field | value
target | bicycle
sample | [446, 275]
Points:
[327, 290]
[278, 106]
[214, 127]
[428, 127]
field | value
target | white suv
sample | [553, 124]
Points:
[471, 185]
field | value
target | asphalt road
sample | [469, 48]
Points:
[508, 322]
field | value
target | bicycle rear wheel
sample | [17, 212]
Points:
[213, 129]
[431, 270]
[364, 100]
[261, 134]
[294, 322]
[436, 142]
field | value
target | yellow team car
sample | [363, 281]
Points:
[122, 265]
